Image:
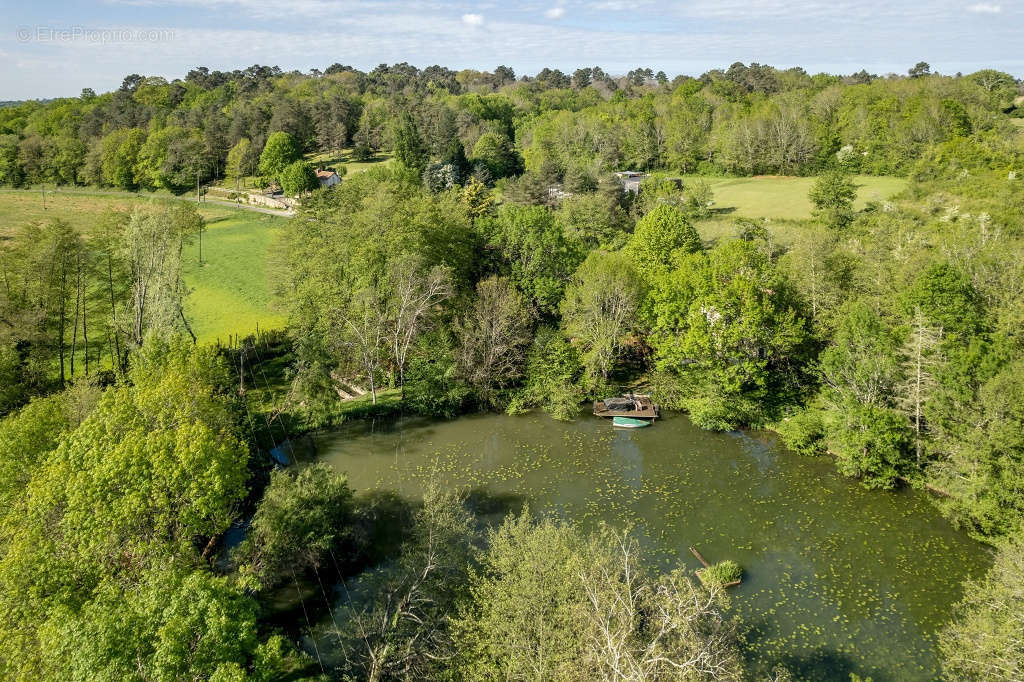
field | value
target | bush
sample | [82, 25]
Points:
[721, 574]
[303, 516]
[803, 432]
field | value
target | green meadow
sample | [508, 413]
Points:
[231, 290]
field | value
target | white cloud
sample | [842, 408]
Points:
[985, 8]
[473, 19]
[555, 13]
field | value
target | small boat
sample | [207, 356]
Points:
[630, 422]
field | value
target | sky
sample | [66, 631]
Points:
[57, 47]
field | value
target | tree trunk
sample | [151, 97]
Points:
[78, 308]
[113, 317]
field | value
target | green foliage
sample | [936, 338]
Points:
[947, 299]
[495, 153]
[722, 573]
[298, 177]
[984, 468]
[803, 432]
[172, 158]
[409, 147]
[659, 238]
[982, 643]
[832, 195]
[730, 330]
[302, 517]
[118, 153]
[550, 603]
[433, 385]
[601, 309]
[280, 151]
[869, 442]
[535, 250]
[100, 573]
[553, 377]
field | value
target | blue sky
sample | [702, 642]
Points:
[56, 48]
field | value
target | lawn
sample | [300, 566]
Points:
[79, 209]
[231, 291]
[344, 158]
[785, 197]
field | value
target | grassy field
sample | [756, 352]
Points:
[345, 158]
[231, 291]
[784, 197]
[320, 160]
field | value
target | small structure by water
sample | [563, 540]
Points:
[631, 406]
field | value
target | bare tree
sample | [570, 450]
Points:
[365, 322]
[494, 336]
[403, 632]
[670, 629]
[919, 362]
[414, 293]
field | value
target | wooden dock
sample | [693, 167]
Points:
[642, 408]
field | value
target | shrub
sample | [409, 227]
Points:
[721, 574]
[803, 432]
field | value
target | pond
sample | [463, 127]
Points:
[837, 578]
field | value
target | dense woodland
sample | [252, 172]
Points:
[496, 264]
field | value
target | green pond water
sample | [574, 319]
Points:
[836, 578]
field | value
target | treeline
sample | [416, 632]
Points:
[75, 304]
[151, 133]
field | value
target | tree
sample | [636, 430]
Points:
[554, 374]
[550, 603]
[493, 338]
[108, 527]
[983, 643]
[170, 158]
[600, 309]
[402, 630]
[982, 466]
[365, 331]
[302, 517]
[832, 195]
[920, 70]
[495, 152]
[280, 151]
[919, 368]
[119, 152]
[152, 246]
[730, 336]
[861, 370]
[409, 148]
[414, 292]
[238, 164]
[298, 177]
[658, 237]
[531, 244]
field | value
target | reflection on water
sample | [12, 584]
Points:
[837, 578]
